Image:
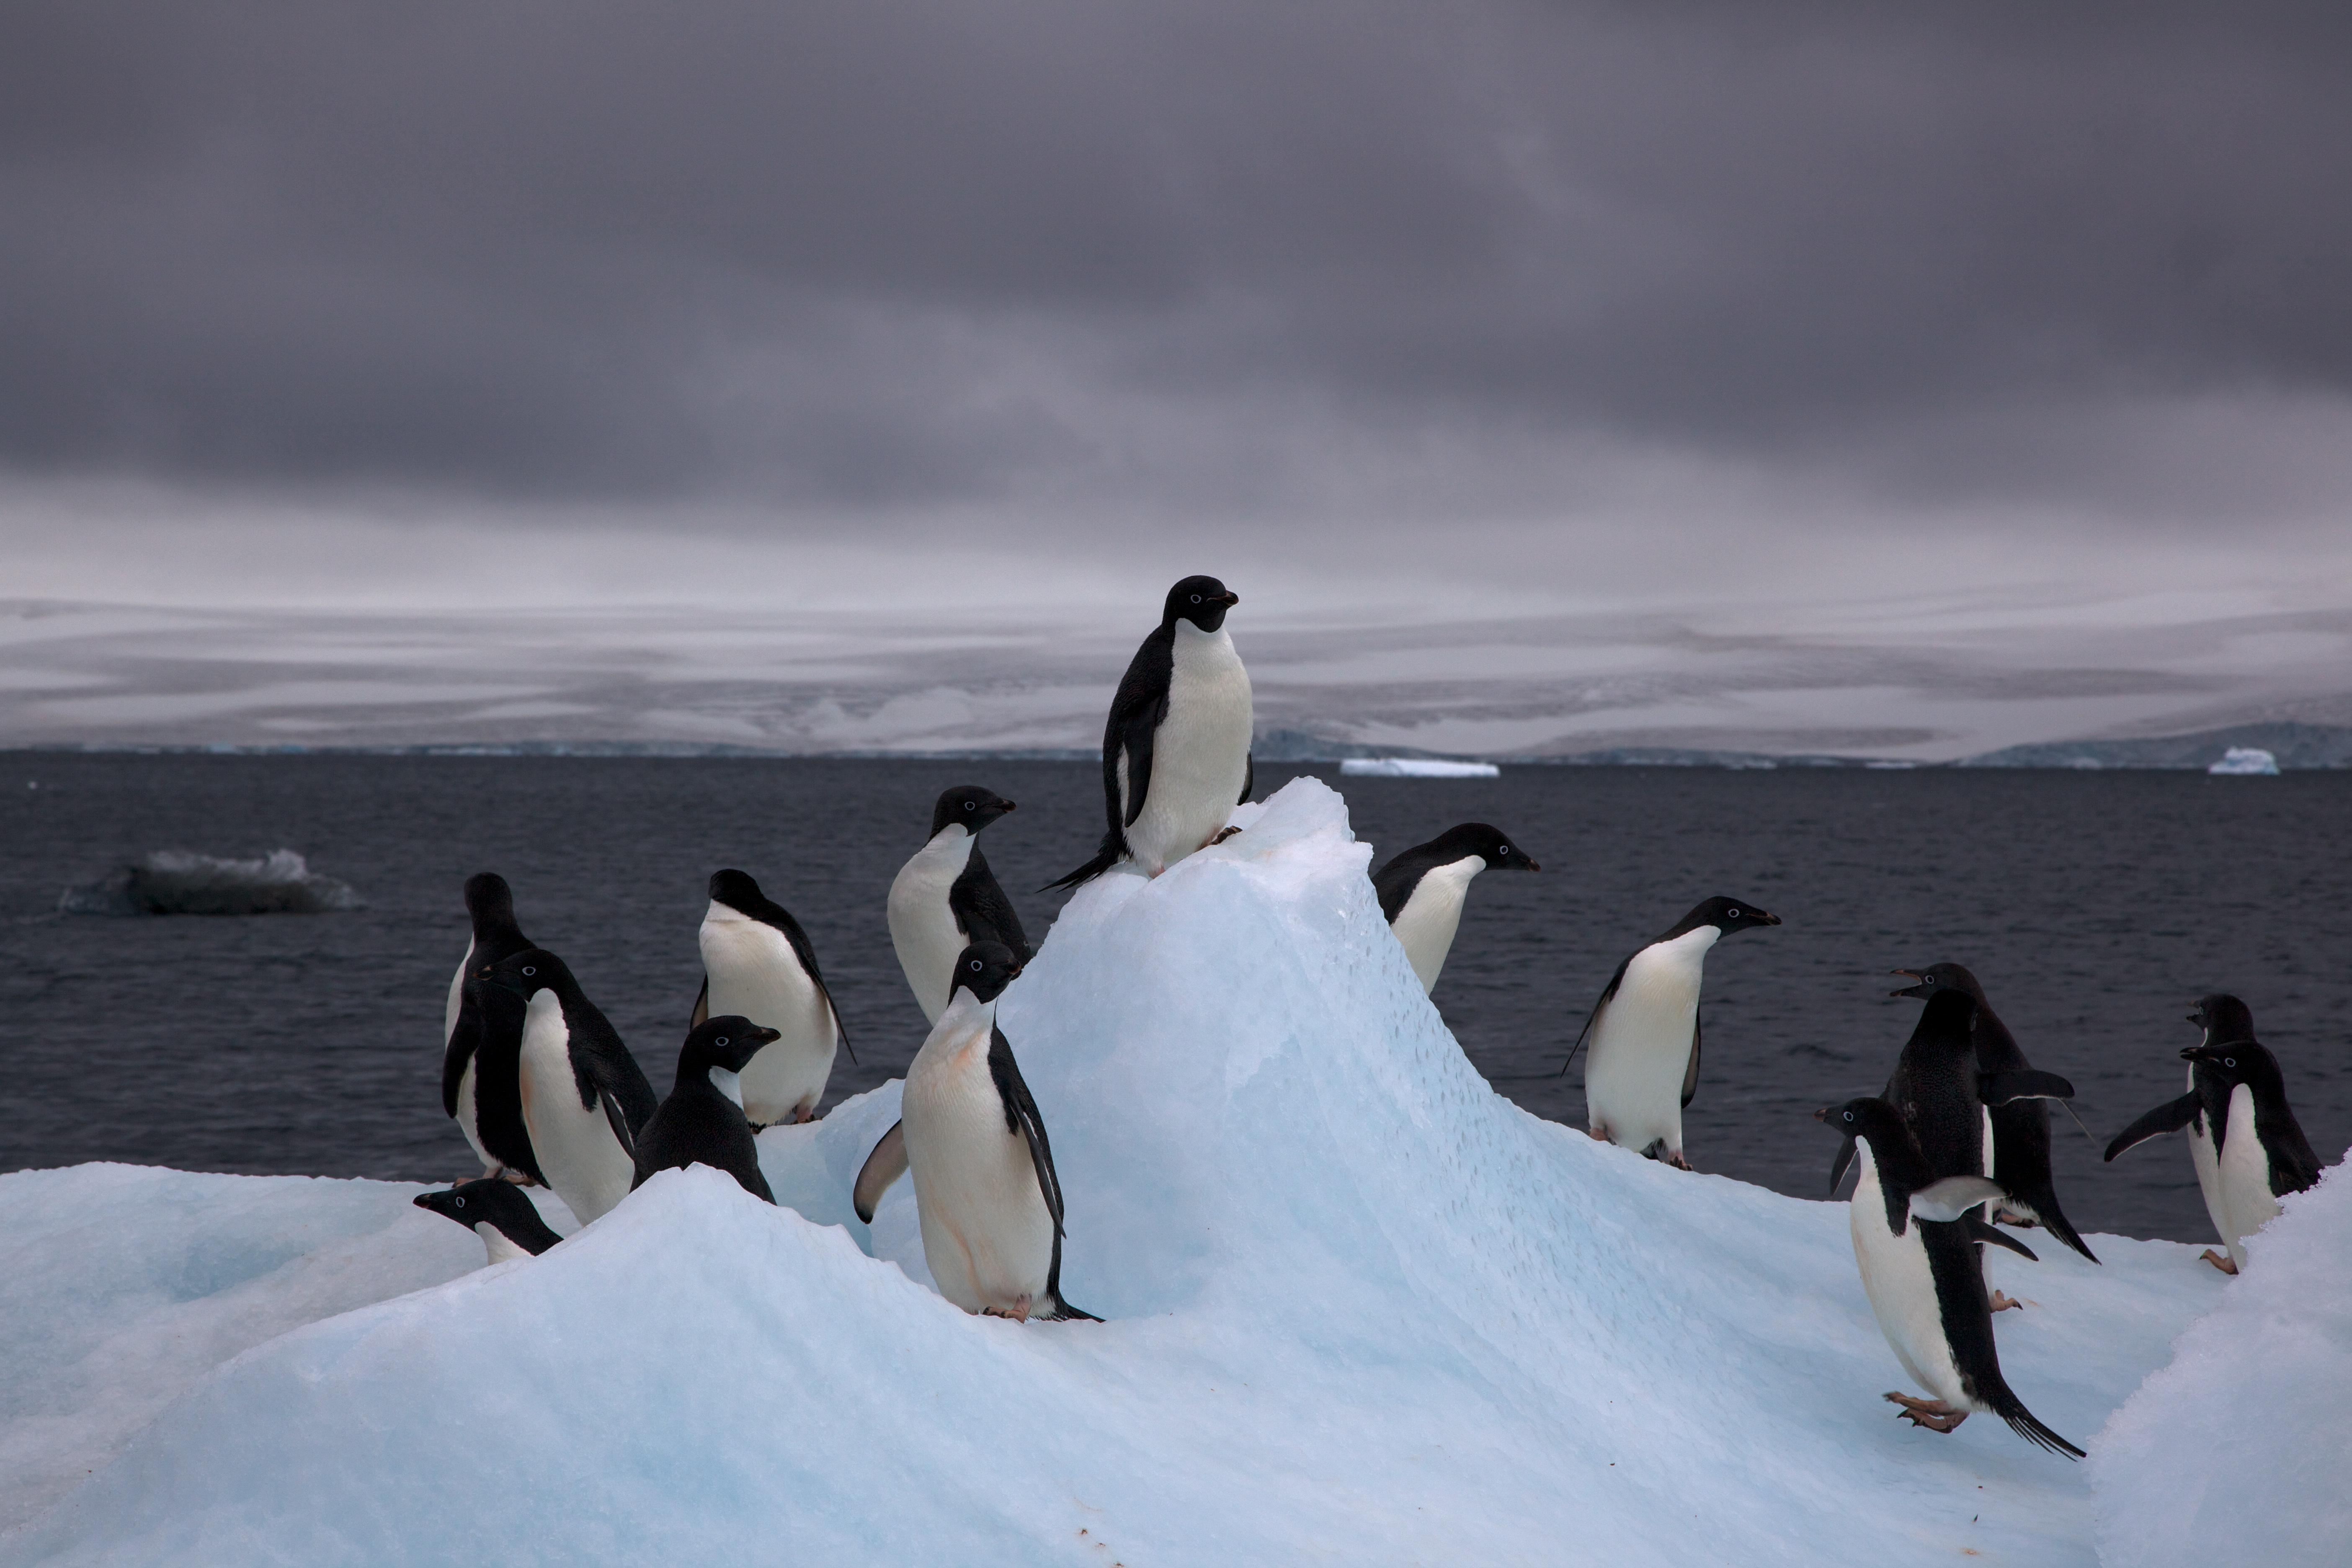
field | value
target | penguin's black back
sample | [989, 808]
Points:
[982, 912]
[499, 1015]
[2021, 1133]
[697, 1125]
[1934, 1087]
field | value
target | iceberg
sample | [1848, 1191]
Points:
[1363, 1310]
[178, 882]
[2245, 761]
[1416, 768]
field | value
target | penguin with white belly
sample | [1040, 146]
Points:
[498, 1212]
[489, 904]
[986, 1193]
[2237, 1107]
[1644, 1034]
[944, 899]
[1422, 891]
[757, 961]
[1914, 1240]
[572, 1063]
[1176, 748]
[702, 1121]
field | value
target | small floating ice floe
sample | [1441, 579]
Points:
[1416, 768]
[178, 882]
[2245, 761]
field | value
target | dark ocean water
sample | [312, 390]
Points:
[2093, 906]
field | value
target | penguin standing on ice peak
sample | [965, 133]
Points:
[498, 1212]
[986, 1193]
[1422, 891]
[489, 904]
[1645, 1033]
[1176, 749]
[757, 961]
[945, 897]
[2237, 1104]
[583, 1095]
[1914, 1239]
[2019, 1158]
[702, 1121]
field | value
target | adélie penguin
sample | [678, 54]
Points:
[1645, 1033]
[945, 897]
[1176, 748]
[489, 904]
[1914, 1239]
[498, 1212]
[986, 1193]
[1423, 889]
[702, 1121]
[572, 1063]
[499, 1014]
[2237, 1100]
[757, 961]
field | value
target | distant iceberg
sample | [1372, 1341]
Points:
[1416, 768]
[2245, 761]
[179, 882]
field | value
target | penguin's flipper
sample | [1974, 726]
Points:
[1592, 1019]
[619, 1123]
[465, 1037]
[1838, 1166]
[2170, 1117]
[702, 1005]
[2024, 1083]
[1021, 1115]
[884, 1165]
[1978, 1230]
[1948, 1199]
[1690, 1073]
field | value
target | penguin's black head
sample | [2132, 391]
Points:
[735, 890]
[525, 974]
[1939, 977]
[491, 1198]
[2235, 1062]
[970, 805]
[1728, 915]
[726, 1042]
[1202, 600]
[2223, 1019]
[1862, 1118]
[1485, 841]
[488, 898]
[985, 968]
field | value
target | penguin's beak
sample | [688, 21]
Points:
[1822, 1114]
[1531, 865]
[1922, 989]
[1772, 919]
[1231, 597]
[2195, 1015]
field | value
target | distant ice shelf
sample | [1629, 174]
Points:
[1416, 768]
[2245, 761]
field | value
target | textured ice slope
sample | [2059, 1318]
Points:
[1364, 1311]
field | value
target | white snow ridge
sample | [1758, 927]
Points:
[1362, 1310]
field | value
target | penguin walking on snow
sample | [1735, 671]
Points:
[490, 903]
[945, 897]
[702, 1121]
[1422, 891]
[572, 1064]
[757, 961]
[498, 1212]
[2240, 1123]
[1644, 1032]
[1914, 1239]
[2019, 1158]
[985, 1190]
[1176, 749]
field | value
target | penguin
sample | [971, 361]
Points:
[493, 1074]
[490, 903]
[2237, 1107]
[2020, 1159]
[1645, 1034]
[1422, 891]
[572, 1063]
[986, 1195]
[945, 897]
[1913, 1236]
[497, 1211]
[757, 961]
[702, 1121]
[1176, 749]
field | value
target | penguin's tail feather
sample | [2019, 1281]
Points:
[2057, 1225]
[1114, 847]
[2022, 1421]
[1064, 1312]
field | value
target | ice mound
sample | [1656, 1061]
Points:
[178, 882]
[2236, 1452]
[1363, 1310]
[2245, 761]
[1416, 768]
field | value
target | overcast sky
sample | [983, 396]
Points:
[1450, 306]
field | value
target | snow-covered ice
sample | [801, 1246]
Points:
[1416, 768]
[2244, 761]
[181, 882]
[1363, 1310]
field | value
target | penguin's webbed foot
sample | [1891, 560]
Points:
[2220, 1261]
[1222, 835]
[1675, 1158]
[1018, 1312]
[2015, 1221]
[1597, 1134]
[1932, 1413]
[2001, 1302]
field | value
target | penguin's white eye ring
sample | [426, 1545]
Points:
[1849, 1116]
[1196, 598]
[972, 805]
[2229, 1061]
[1735, 914]
[721, 1040]
[976, 966]
[457, 1200]
[527, 969]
